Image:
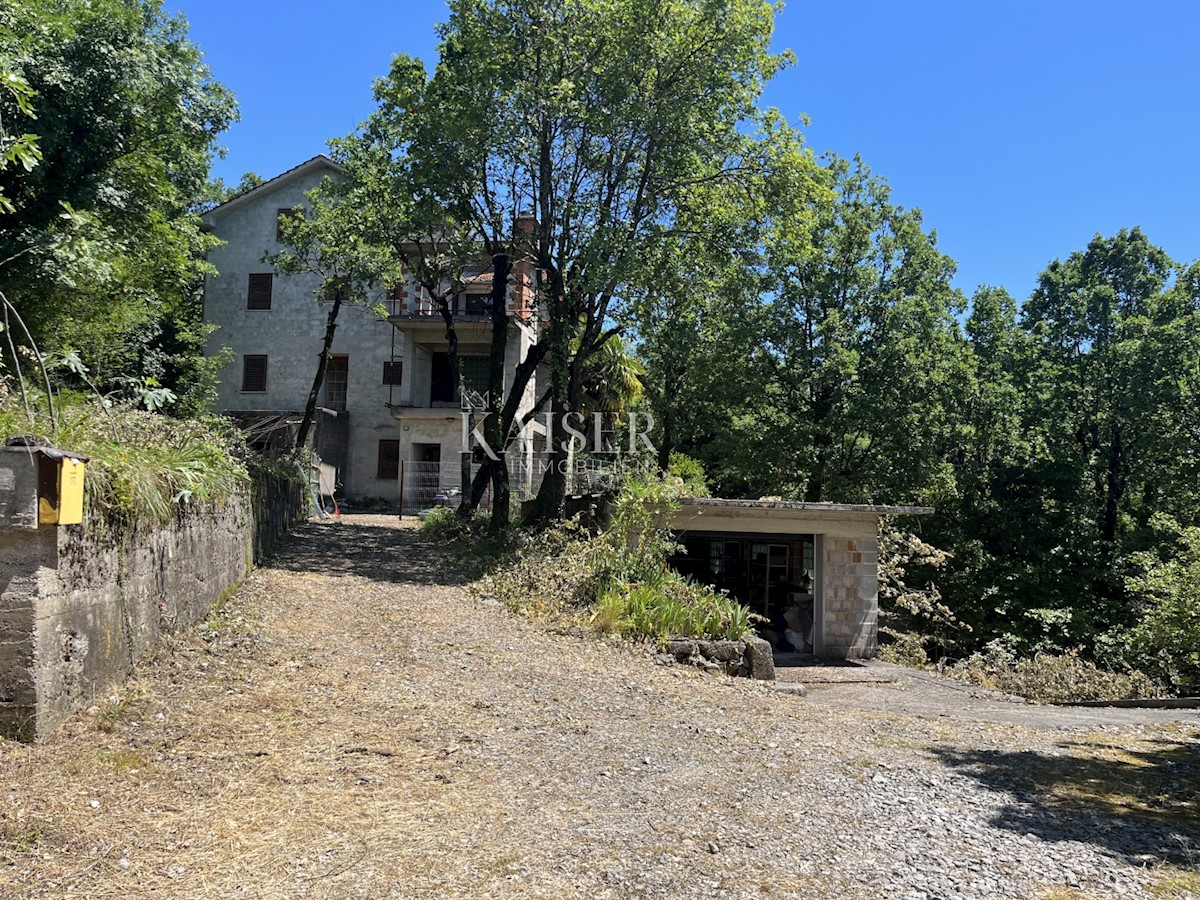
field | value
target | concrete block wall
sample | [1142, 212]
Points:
[291, 332]
[850, 579]
[81, 606]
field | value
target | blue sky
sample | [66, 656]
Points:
[1020, 129]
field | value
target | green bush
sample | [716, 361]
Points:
[904, 649]
[142, 466]
[1166, 637]
[619, 578]
[671, 607]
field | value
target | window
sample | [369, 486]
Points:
[472, 304]
[392, 372]
[474, 371]
[280, 217]
[254, 373]
[337, 377]
[389, 460]
[259, 294]
[441, 385]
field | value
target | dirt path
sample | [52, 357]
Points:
[359, 726]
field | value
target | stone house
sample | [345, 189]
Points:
[390, 424]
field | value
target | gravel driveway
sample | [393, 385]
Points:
[355, 724]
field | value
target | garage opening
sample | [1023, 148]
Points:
[774, 576]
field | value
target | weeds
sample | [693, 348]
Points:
[671, 607]
[617, 579]
[1047, 678]
[142, 466]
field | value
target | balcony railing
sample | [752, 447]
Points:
[464, 306]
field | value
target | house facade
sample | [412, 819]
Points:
[390, 423]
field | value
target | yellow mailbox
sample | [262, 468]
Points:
[60, 487]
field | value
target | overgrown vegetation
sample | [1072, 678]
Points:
[142, 466]
[1049, 677]
[100, 235]
[615, 579]
[837, 362]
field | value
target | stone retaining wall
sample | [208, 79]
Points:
[748, 658]
[80, 606]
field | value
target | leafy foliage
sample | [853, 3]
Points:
[618, 578]
[1166, 637]
[569, 142]
[671, 607]
[833, 360]
[912, 615]
[143, 467]
[103, 245]
[1050, 678]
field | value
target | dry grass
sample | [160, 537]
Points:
[1176, 884]
[356, 724]
[1155, 778]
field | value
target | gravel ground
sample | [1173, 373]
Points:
[358, 725]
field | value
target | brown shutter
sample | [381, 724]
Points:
[392, 372]
[389, 460]
[254, 373]
[259, 294]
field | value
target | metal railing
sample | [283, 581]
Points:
[429, 484]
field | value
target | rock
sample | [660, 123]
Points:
[789, 687]
[682, 650]
[720, 651]
[762, 663]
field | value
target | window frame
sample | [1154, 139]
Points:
[396, 368]
[344, 359]
[254, 288]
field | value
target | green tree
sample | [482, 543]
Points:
[1166, 587]
[127, 118]
[1114, 347]
[598, 121]
[831, 358]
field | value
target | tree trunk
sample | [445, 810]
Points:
[493, 428]
[452, 355]
[310, 409]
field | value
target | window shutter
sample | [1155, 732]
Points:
[259, 294]
[389, 460]
[392, 372]
[254, 373]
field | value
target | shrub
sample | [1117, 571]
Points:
[669, 608]
[1166, 638]
[1050, 678]
[142, 466]
[618, 578]
[905, 649]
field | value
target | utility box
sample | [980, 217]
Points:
[60, 486]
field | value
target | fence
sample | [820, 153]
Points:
[427, 484]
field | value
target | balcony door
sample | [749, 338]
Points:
[441, 384]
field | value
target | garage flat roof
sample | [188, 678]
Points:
[797, 506]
